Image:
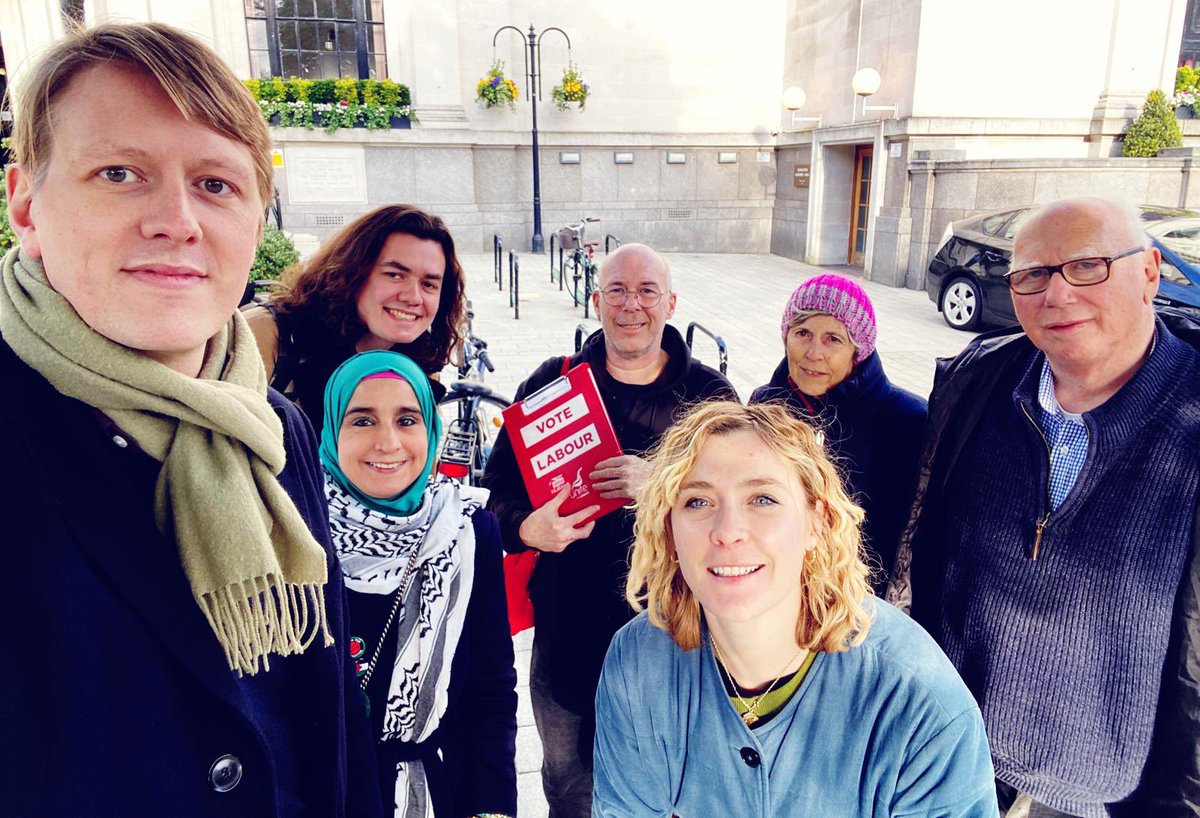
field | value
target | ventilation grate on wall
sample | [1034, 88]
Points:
[329, 221]
[679, 214]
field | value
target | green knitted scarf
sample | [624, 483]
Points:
[254, 567]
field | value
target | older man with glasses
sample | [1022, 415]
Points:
[1052, 547]
[647, 377]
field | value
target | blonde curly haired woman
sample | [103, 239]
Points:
[762, 678]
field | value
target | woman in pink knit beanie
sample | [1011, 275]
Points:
[832, 377]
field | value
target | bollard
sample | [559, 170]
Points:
[497, 261]
[560, 268]
[514, 287]
[511, 258]
[553, 236]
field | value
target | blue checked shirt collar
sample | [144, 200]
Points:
[1066, 436]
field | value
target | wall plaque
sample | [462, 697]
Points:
[327, 174]
[800, 177]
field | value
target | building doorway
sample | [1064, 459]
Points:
[860, 199]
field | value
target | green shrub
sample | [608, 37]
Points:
[388, 92]
[255, 87]
[297, 90]
[1154, 129]
[322, 91]
[1186, 77]
[272, 90]
[275, 254]
[346, 90]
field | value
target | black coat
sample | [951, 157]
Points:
[115, 697]
[470, 759]
[579, 594]
[873, 433]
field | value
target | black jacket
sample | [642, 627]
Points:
[470, 758]
[579, 594]
[115, 697]
[873, 433]
[962, 387]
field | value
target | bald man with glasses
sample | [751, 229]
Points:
[1052, 547]
[647, 377]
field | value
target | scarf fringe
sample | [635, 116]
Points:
[262, 616]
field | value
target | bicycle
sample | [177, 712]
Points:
[471, 413]
[583, 252]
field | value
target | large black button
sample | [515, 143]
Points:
[225, 773]
[751, 757]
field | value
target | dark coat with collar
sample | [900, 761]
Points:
[579, 594]
[963, 386]
[115, 697]
[873, 433]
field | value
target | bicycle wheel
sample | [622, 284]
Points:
[478, 416]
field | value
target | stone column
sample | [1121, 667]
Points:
[1135, 66]
[429, 43]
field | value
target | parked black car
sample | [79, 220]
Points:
[966, 276]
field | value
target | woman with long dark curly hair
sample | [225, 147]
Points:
[388, 280]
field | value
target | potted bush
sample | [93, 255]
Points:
[571, 90]
[495, 89]
[333, 104]
[1154, 129]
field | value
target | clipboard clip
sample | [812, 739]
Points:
[546, 395]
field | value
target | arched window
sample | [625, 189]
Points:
[316, 39]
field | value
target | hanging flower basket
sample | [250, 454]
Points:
[571, 90]
[495, 89]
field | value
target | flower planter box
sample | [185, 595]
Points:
[401, 123]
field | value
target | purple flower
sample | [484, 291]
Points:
[495, 81]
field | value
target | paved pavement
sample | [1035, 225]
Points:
[740, 298]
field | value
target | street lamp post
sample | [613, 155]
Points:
[533, 65]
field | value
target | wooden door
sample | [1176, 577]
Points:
[860, 199]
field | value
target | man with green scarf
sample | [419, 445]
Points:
[176, 646]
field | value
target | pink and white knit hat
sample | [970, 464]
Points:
[842, 298]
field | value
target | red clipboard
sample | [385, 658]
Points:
[559, 434]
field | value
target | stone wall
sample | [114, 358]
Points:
[482, 185]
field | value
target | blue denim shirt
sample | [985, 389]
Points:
[883, 729]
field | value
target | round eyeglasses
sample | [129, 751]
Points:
[616, 295]
[1080, 272]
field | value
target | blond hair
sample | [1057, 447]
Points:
[834, 584]
[190, 73]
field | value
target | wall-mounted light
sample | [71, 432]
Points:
[622, 157]
[676, 157]
[726, 157]
[793, 100]
[865, 83]
[568, 157]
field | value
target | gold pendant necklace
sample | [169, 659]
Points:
[749, 712]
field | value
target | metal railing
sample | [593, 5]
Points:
[609, 237]
[722, 347]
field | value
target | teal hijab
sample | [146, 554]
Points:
[342, 383]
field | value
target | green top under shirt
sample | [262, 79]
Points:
[772, 702]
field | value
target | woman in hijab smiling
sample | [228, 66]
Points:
[421, 561]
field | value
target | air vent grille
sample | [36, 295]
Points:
[679, 214]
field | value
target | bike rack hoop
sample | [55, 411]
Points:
[722, 347]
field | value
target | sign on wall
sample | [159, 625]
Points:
[320, 175]
[800, 177]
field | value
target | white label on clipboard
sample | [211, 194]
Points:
[555, 420]
[565, 451]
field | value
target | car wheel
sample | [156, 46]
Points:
[962, 304]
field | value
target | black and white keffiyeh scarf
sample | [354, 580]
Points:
[375, 549]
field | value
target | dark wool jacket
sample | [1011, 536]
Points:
[470, 760]
[873, 433]
[579, 594]
[307, 353]
[963, 387]
[115, 697]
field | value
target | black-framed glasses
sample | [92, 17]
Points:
[615, 295]
[1079, 272]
